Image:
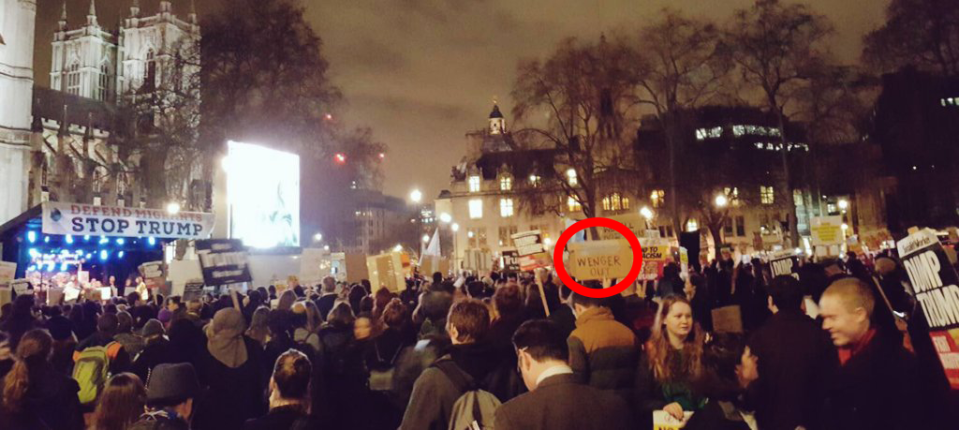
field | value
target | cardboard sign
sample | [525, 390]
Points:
[432, 264]
[875, 239]
[655, 256]
[727, 319]
[598, 260]
[683, 263]
[192, 291]
[7, 272]
[154, 274]
[82, 219]
[936, 285]
[784, 263]
[386, 271]
[826, 231]
[223, 261]
[662, 420]
[315, 264]
[511, 261]
[356, 269]
[21, 286]
[529, 246]
[83, 277]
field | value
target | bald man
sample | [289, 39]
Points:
[875, 386]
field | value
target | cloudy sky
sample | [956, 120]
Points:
[422, 73]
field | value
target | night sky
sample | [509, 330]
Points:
[422, 73]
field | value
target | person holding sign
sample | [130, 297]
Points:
[671, 362]
[876, 385]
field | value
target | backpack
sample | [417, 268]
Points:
[91, 371]
[382, 380]
[475, 408]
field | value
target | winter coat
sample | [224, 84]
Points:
[282, 418]
[235, 394]
[603, 352]
[160, 420]
[50, 402]
[718, 415]
[795, 359]
[651, 394]
[155, 353]
[561, 403]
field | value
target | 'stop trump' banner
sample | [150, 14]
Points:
[83, 219]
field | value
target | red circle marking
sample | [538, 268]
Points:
[598, 222]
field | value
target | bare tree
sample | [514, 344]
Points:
[776, 47]
[678, 69]
[584, 91]
[922, 33]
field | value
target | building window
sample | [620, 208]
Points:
[104, 88]
[506, 235]
[798, 199]
[658, 197]
[615, 202]
[505, 208]
[481, 236]
[692, 225]
[728, 226]
[474, 183]
[506, 183]
[767, 195]
[471, 235]
[732, 194]
[573, 204]
[150, 71]
[741, 226]
[534, 181]
[572, 178]
[73, 79]
[476, 209]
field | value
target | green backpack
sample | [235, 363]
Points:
[91, 371]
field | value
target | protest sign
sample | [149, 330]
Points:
[7, 272]
[192, 291]
[511, 261]
[82, 219]
[6, 294]
[479, 261]
[727, 319]
[529, 246]
[315, 264]
[936, 285]
[386, 271]
[154, 274]
[599, 260]
[21, 286]
[356, 269]
[655, 256]
[826, 231]
[54, 296]
[83, 277]
[683, 263]
[875, 239]
[432, 263]
[784, 263]
[662, 420]
[223, 261]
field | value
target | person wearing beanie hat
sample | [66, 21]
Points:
[64, 343]
[156, 350]
[171, 389]
[132, 343]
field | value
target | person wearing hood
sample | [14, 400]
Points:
[434, 393]
[157, 350]
[132, 343]
[233, 372]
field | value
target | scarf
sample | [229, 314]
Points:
[225, 338]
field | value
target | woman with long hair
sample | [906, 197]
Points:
[120, 404]
[671, 362]
[259, 329]
[35, 395]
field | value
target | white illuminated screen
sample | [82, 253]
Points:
[263, 190]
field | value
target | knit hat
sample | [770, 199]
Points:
[152, 328]
[165, 315]
[60, 327]
[172, 382]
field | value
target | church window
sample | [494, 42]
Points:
[506, 208]
[103, 90]
[73, 78]
[506, 183]
[474, 184]
[150, 71]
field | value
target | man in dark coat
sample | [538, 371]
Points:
[556, 401]
[795, 358]
[875, 386]
[327, 299]
[170, 393]
[434, 393]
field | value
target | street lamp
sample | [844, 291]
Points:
[397, 248]
[721, 201]
[646, 212]
[318, 237]
[843, 204]
[445, 218]
[426, 238]
[416, 196]
[455, 227]
[173, 208]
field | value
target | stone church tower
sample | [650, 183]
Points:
[17, 21]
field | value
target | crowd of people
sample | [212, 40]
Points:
[819, 350]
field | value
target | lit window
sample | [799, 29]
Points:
[534, 180]
[798, 198]
[505, 208]
[700, 134]
[506, 183]
[658, 197]
[615, 202]
[474, 183]
[767, 195]
[476, 209]
[732, 194]
[692, 226]
[571, 176]
[481, 235]
[739, 130]
[573, 204]
[606, 205]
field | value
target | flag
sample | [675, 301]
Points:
[433, 249]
